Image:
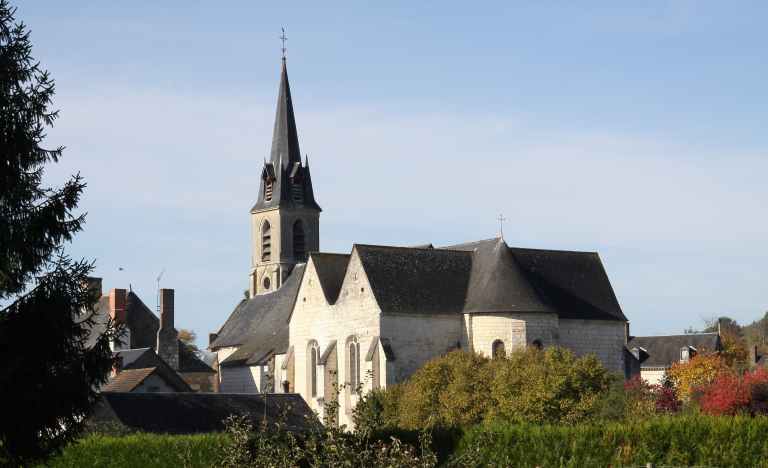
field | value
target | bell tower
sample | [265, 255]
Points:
[285, 221]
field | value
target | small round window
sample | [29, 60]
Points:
[266, 282]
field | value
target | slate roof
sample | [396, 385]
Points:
[186, 413]
[136, 358]
[129, 379]
[410, 280]
[488, 276]
[284, 165]
[259, 325]
[331, 269]
[144, 325]
[663, 351]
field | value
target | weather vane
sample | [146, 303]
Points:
[501, 219]
[283, 38]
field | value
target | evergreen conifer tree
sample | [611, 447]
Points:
[49, 375]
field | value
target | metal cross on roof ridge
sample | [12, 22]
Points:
[501, 220]
[283, 38]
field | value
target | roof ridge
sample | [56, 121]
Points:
[400, 247]
[589, 252]
[676, 335]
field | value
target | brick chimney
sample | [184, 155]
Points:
[167, 336]
[119, 315]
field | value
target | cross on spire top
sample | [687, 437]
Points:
[283, 38]
[501, 220]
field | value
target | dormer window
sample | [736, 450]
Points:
[687, 353]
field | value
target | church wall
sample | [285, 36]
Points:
[604, 338]
[240, 379]
[417, 338]
[516, 330]
[355, 312]
[221, 354]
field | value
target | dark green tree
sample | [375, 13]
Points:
[49, 374]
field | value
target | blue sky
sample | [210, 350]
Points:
[637, 131]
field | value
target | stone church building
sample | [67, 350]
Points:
[371, 317]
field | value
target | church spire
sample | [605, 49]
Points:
[285, 140]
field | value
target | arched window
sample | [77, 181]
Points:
[537, 344]
[498, 350]
[299, 249]
[266, 242]
[313, 357]
[353, 365]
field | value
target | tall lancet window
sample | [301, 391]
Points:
[266, 242]
[299, 247]
[354, 363]
[313, 359]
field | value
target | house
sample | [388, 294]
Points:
[188, 413]
[142, 371]
[143, 330]
[315, 322]
[657, 353]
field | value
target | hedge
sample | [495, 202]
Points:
[142, 450]
[677, 441]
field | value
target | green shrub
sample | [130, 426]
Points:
[461, 389]
[547, 386]
[664, 440]
[142, 450]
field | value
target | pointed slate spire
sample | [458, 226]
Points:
[285, 139]
[290, 183]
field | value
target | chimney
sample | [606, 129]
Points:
[167, 336]
[119, 314]
[211, 338]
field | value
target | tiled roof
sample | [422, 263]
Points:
[129, 379]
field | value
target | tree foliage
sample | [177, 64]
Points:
[49, 374]
[701, 370]
[462, 388]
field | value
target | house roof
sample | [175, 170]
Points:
[259, 325]
[330, 269]
[186, 413]
[130, 379]
[664, 351]
[411, 280]
[144, 326]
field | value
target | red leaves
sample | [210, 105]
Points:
[730, 393]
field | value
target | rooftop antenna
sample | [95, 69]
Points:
[501, 219]
[283, 38]
[157, 301]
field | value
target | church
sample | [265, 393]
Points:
[315, 322]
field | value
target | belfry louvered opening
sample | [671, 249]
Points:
[266, 242]
[268, 186]
[299, 246]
